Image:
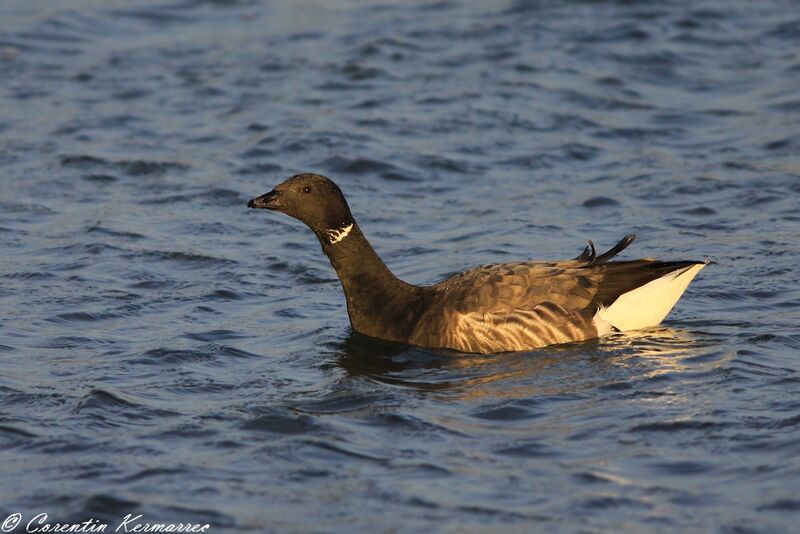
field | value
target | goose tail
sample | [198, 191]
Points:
[648, 304]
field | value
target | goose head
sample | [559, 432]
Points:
[310, 198]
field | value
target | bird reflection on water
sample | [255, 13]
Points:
[560, 370]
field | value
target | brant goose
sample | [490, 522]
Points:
[494, 308]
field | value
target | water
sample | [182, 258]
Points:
[165, 351]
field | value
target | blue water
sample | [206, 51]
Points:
[165, 351]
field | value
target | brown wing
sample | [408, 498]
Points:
[573, 285]
[509, 286]
[516, 306]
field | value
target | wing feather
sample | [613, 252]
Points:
[518, 306]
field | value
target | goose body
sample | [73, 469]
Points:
[493, 308]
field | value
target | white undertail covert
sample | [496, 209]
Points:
[647, 305]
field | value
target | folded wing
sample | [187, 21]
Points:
[525, 305]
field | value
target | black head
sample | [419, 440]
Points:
[311, 198]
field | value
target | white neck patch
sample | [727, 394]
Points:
[335, 235]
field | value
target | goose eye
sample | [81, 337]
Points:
[306, 189]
